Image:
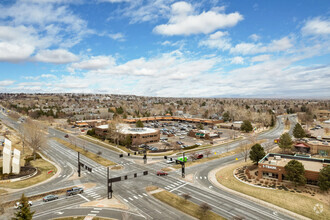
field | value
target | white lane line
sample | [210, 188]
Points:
[98, 209]
[92, 194]
[166, 187]
[178, 187]
[135, 197]
[201, 177]
[130, 198]
[95, 211]
[91, 214]
[205, 177]
[144, 194]
[84, 197]
[141, 196]
[125, 200]
[59, 175]
[95, 197]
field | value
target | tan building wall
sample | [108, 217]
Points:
[138, 139]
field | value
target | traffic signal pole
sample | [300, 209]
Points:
[183, 166]
[78, 164]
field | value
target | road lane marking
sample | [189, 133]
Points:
[135, 197]
[130, 198]
[125, 200]
[91, 214]
[178, 187]
[95, 211]
[84, 197]
[144, 194]
[98, 209]
[141, 196]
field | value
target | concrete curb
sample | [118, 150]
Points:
[214, 181]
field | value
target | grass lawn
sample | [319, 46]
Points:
[90, 155]
[104, 144]
[43, 167]
[294, 202]
[187, 207]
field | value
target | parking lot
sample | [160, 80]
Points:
[174, 135]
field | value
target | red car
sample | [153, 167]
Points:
[200, 156]
[162, 173]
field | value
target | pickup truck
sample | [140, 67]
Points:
[74, 191]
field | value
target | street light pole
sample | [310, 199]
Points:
[78, 164]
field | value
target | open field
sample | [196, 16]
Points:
[90, 155]
[43, 168]
[185, 206]
[294, 202]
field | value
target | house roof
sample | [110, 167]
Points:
[301, 145]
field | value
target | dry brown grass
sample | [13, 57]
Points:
[187, 207]
[43, 168]
[294, 202]
[90, 155]
[151, 188]
[104, 144]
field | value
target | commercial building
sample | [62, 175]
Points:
[138, 135]
[272, 166]
[313, 147]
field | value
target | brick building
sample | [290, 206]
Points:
[138, 135]
[272, 166]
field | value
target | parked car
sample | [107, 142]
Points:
[74, 191]
[161, 173]
[179, 142]
[200, 156]
[66, 136]
[170, 161]
[18, 205]
[49, 198]
[199, 144]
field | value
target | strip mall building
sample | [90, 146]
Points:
[272, 166]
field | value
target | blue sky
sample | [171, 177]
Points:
[173, 48]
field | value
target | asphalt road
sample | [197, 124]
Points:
[132, 191]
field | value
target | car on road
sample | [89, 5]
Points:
[49, 198]
[161, 173]
[199, 144]
[74, 191]
[18, 205]
[170, 161]
[66, 136]
[200, 156]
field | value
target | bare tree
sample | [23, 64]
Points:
[194, 156]
[35, 136]
[245, 150]
[186, 196]
[22, 134]
[204, 207]
[207, 152]
[99, 153]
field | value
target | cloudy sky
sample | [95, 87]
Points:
[204, 48]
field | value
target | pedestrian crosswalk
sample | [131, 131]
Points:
[135, 197]
[174, 184]
[94, 193]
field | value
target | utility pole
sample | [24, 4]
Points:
[145, 156]
[78, 164]
[183, 166]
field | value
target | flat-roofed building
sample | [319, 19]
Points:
[138, 135]
[272, 166]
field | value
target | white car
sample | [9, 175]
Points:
[18, 205]
[199, 144]
[170, 161]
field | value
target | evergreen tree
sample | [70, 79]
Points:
[298, 131]
[226, 116]
[272, 123]
[296, 172]
[139, 124]
[324, 178]
[285, 141]
[246, 126]
[257, 153]
[24, 213]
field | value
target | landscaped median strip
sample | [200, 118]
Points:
[90, 155]
[181, 204]
[103, 144]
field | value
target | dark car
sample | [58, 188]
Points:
[74, 191]
[49, 198]
[162, 173]
[66, 136]
[200, 156]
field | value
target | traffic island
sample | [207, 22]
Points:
[297, 202]
[184, 205]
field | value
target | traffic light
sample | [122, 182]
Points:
[144, 157]
[121, 155]
[128, 154]
[145, 173]
[134, 153]
[165, 157]
[135, 175]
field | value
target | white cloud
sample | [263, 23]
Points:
[317, 26]
[237, 60]
[184, 21]
[6, 82]
[47, 76]
[94, 63]
[254, 37]
[282, 44]
[117, 36]
[15, 52]
[218, 40]
[260, 58]
[59, 56]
